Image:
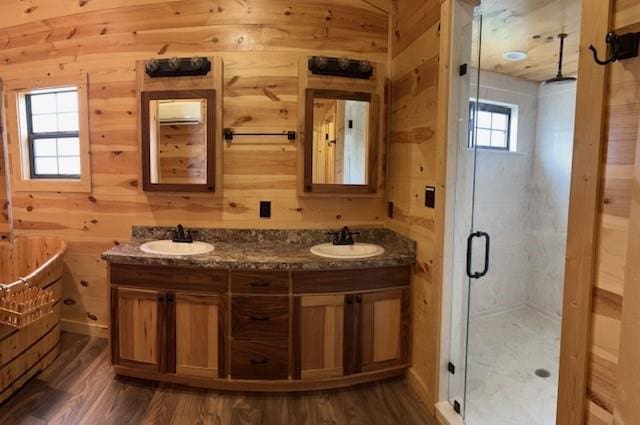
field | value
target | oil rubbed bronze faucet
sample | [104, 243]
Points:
[343, 237]
[182, 236]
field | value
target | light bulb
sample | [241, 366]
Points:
[174, 64]
[197, 63]
[364, 66]
[344, 63]
[152, 66]
[320, 62]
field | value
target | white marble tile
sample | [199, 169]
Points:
[504, 351]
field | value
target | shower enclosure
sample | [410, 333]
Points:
[512, 174]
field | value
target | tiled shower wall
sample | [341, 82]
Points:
[549, 195]
[522, 198]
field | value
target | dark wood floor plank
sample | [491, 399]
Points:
[80, 388]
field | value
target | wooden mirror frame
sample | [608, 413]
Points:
[372, 166]
[145, 98]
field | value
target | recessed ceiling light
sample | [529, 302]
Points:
[515, 56]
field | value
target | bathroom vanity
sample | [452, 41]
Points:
[260, 312]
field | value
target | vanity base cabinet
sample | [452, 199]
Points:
[341, 335]
[137, 331]
[260, 330]
[196, 335]
[260, 359]
[384, 329]
[319, 336]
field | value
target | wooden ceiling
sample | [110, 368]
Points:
[531, 26]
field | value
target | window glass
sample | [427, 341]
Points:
[44, 147]
[53, 126]
[68, 121]
[69, 165]
[45, 123]
[492, 127]
[46, 166]
[69, 147]
[43, 103]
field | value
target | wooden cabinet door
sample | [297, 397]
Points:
[318, 336]
[137, 328]
[384, 329]
[196, 335]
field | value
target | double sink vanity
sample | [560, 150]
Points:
[263, 310]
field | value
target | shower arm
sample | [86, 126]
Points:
[559, 74]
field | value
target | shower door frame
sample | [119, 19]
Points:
[582, 235]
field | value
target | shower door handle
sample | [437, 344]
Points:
[487, 245]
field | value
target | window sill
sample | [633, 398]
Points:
[52, 185]
[498, 151]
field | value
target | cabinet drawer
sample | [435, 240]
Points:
[258, 317]
[331, 281]
[260, 359]
[260, 282]
[169, 278]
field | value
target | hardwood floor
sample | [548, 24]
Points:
[80, 388]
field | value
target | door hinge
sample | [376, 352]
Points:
[456, 406]
[462, 70]
[451, 368]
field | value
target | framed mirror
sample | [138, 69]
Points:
[178, 143]
[341, 140]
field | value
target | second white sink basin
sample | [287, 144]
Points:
[167, 247]
[357, 250]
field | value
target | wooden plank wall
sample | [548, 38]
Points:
[415, 162]
[260, 42]
[4, 201]
[621, 138]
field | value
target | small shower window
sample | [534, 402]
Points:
[493, 127]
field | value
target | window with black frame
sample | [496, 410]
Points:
[52, 120]
[492, 130]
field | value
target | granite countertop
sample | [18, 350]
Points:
[249, 249]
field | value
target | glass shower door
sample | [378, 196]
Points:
[465, 238]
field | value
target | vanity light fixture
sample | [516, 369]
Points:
[178, 67]
[340, 67]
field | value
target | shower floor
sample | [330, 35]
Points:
[505, 349]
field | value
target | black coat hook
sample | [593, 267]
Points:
[624, 46]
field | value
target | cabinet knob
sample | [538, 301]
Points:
[358, 299]
[260, 284]
[256, 362]
[170, 297]
[259, 318]
[349, 299]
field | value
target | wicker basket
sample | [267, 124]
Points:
[22, 307]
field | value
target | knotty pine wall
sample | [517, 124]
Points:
[260, 42]
[414, 163]
[622, 136]
[4, 202]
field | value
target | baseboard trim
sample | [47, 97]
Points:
[420, 388]
[83, 328]
[445, 415]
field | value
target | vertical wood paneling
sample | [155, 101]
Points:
[581, 253]
[415, 161]
[625, 114]
[260, 43]
[611, 391]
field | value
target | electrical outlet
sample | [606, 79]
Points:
[265, 209]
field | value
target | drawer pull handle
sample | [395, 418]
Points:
[260, 284]
[259, 318]
[257, 362]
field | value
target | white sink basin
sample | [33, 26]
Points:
[167, 247]
[357, 250]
